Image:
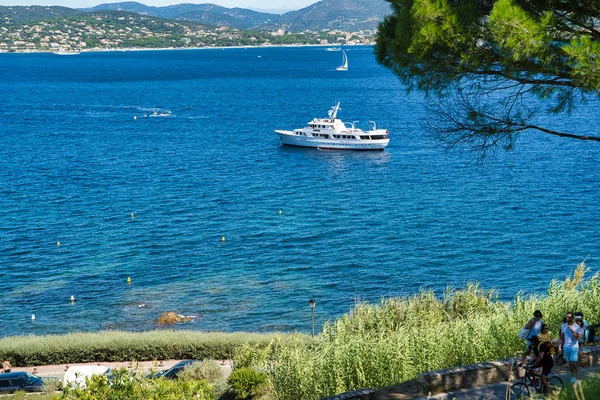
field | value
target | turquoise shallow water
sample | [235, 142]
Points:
[355, 226]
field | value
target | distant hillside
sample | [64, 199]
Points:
[240, 18]
[348, 15]
[129, 6]
[210, 14]
[58, 29]
[272, 10]
[24, 14]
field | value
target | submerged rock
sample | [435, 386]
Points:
[170, 317]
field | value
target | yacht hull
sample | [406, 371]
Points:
[288, 138]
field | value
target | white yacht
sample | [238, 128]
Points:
[333, 134]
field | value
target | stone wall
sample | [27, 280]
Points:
[475, 375]
[467, 376]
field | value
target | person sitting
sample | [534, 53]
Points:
[545, 334]
[583, 339]
[583, 324]
[542, 359]
[6, 367]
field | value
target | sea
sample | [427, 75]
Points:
[207, 215]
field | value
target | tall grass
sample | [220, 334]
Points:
[385, 344]
[125, 346]
[588, 388]
[375, 345]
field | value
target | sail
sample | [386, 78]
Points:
[344, 66]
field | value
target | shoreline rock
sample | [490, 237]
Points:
[171, 317]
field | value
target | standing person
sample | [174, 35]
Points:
[582, 323]
[6, 367]
[542, 360]
[534, 325]
[568, 345]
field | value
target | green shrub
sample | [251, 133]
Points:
[51, 385]
[19, 395]
[247, 383]
[105, 346]
[130, 386]
[223, 391]
[209, 371]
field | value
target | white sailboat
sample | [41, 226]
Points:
[344, 66]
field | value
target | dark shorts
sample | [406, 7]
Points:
[546, 368]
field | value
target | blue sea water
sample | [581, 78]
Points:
[354, 225]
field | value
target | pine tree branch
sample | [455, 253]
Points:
[562, 134]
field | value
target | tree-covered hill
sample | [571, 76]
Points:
[27, 14]
[211, 14]
[100, 30]
[349, 15]
[352, 15]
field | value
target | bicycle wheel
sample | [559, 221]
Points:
[519, 391]
[555, 385]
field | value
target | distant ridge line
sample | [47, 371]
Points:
[348, 15]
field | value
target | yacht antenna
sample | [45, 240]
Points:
[334, 110]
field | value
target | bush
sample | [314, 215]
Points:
[130, 386]
[247, 383]
[209, 371]
[51, 385]
[223, 391]
[72, 348]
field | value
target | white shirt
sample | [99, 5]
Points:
[570, 340]
[535, 329]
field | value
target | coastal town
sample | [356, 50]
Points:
[120, 30]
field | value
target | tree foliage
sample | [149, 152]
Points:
[491, 67]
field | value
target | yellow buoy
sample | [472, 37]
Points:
[58, 243]
[128, 280]
[223, 239]
[280, 212]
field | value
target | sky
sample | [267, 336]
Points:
[254, 4]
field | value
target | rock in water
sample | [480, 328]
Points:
[170, 317]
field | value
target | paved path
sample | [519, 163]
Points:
[498, 391]
[58, 371]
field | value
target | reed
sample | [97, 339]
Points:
[394, 341]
